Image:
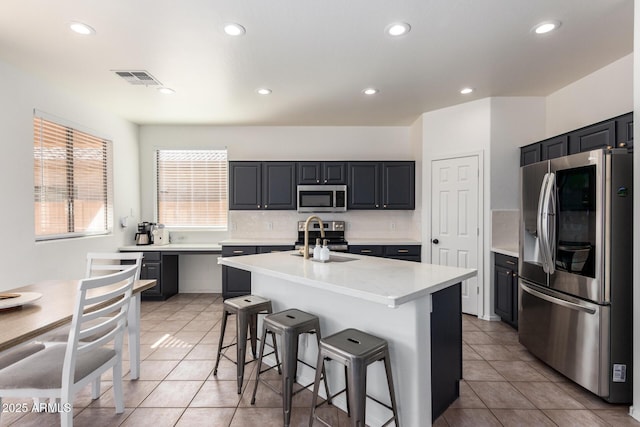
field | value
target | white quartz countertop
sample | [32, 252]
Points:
[258, 242]
[383, 241]
[506, 250]
[385, 281]
[180, 247]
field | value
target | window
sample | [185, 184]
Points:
[73, 187]
[192, 188]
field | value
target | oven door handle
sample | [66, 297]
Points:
[558, 301]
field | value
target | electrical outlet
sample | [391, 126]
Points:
[269, 225]
[393, 226]
[234, 226]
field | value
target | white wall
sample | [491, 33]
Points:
[22, 260]
[515, 121]
[601, 95]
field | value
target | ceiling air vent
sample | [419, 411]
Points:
[139, 78]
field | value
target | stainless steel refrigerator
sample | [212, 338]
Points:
[576, 262]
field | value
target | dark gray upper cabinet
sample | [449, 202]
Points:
[279, 185]
[398, 185]
[310, 173]
[530, 154]
[364, 185]
[381, 185]
[554, 147]
[613, 133]
[245, 185]
[601, 135]
[624, 131]
[262, 185]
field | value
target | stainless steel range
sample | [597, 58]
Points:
[333, 230]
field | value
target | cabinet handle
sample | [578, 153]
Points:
[266, 206]
[377, 206]
[622, 144]
[317, 181]
[325, 181]
[258, 206]
[384, 206]
[238, 252]
[510, 262]
[403, 251]
[365, 251]
[514, 274]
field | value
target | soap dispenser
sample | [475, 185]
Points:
[317, 250]
[324, 252]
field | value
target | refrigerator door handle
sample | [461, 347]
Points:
[550, 206]
[542, 235]
[558, 301]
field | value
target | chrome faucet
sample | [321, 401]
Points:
[306, 233]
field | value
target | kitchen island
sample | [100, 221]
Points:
[414, 306]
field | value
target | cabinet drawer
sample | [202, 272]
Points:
[373, 250]
[239, 250]
[278, 248]
[403, 251]
[152, 256]
[506, 261]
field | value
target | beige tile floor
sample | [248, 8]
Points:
[503, 384]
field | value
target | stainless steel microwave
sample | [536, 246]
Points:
[322, 198]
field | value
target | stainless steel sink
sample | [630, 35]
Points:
[332, 258]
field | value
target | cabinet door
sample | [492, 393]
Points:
[277, 248]
[530, 154]
[555, 147]
[334, 173]
[151, 271]
[624, 131]
[601, 135]
[404, 252]
[398, 185]
[235, 282]
[504, 293]
[279, 185]
[364, 185]
[309, 173]
[245, 185]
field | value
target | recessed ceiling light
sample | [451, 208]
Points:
[264, 91]
[466, 90]
[80, 28]
[166, 90]
[370, 91]
[546, 26]
[398, 29]
[234, 29]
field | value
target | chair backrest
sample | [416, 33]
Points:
[99, 317]
[103, 263]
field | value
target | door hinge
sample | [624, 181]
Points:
[478, 290]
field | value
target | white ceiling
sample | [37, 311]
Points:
[316, 55]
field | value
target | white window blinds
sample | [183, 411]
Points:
[192, 188]
[72, 182]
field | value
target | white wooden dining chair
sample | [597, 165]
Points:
[60, 370]
[101, 263]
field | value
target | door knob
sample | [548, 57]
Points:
[435, 241]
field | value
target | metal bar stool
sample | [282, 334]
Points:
[289, 324]
[246, 308]
[356, 350]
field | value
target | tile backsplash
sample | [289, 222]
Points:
[360, 224]
[504, 228]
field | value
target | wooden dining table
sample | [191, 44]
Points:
[55, 308]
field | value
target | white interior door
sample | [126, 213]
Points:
[454, 220]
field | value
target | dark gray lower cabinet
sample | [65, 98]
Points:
[401, 252]
[162, 267]
[446, 349]
[236, 282]
[506, 289]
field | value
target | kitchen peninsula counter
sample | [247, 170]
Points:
[414, 306]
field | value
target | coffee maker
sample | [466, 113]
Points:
[144, 236]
